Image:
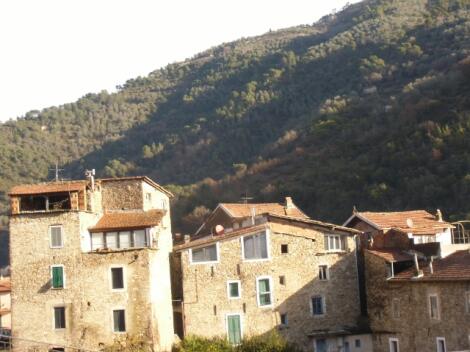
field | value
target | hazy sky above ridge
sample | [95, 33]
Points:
[55, 51]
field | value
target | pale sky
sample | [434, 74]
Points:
[55, 51]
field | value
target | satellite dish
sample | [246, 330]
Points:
[409, 222]
[219, 230]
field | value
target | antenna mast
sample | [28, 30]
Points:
[56, 171]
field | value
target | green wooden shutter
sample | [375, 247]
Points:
[57, 277]
[234, 329]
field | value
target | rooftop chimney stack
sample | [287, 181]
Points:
[439, 215]
[289, 204]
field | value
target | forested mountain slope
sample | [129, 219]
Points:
[368, 107]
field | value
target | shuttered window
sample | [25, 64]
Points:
[56, 236]
[234, 329]
[119, 320]
[57, 277]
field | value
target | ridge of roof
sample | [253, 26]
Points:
[316, 222]
[48, 187]
[128, 220]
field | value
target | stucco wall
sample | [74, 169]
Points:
[205, 287]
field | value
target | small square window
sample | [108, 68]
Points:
[233, 288]
[56, 236]
[117, 278]
[282, 280]
[323, 272]
[59, 317]
[357, 343]
[119, 320]
[284, 248]
[284, 319]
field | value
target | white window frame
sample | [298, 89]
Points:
[125, 320]
[391, 340]
[238, 282]
[438, 308]
[61, 236]
[226, 323]
[63, 276]
[217, 250]
[53, 317]
[341, 243]
[323, 302]
[438, 339]
[327, 272]
[110, 276]
[268, 246]
[271, 291]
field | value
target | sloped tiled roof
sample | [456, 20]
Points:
[455, 267]
[391, 255]
[49, 187]
[422, 222]
[240, 210]
[128, 220]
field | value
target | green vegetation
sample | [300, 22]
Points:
[367, 107]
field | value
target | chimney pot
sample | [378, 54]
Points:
[187, 238]
[289, 204]
[439, 215]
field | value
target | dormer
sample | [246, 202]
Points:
[49, 197]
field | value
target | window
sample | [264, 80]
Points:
[317, 305]
[284, 319]
[396, 308]
[205, 254]
[255, 246]
[282, 280]
[467, 301]
[357, 343]
[56, 236]
[119, 320]
[148, 197]
[117, 278]
[233, 289]
[323, 273]
[122, 239]
[393, 345]
[433, 307]
[441, 344]
[57, 349]
[264, 291]
[57, 274]
[284, 248]
[335, 243]
[59, 317]
[321, 345]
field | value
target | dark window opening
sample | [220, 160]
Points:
[282, 280]
[57, 349]
[284, 319]
[117, 276]
[358, 343]
[59, 317]
[119, 318]
[284, 248]
[60, 201]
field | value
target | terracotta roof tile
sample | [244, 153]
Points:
[49, 187]
[422, 222]
[455, 267]
[392, 255]
[239, 210]
[128, 220]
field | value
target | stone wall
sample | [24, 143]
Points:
[413, 327]
[205, 287]
[122, 194]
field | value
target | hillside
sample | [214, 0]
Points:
[369, 107]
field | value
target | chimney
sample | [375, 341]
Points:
[431, 269]
[253, 215]
[187, 238]
[289, 204]
[439, 215]
[418, 272]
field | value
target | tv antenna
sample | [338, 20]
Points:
[246, 199]
[56, 171]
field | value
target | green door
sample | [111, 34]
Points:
[234, 329]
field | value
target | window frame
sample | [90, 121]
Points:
[124, 283]
[438, 309]
[342, 243]
[52, 276]
[271, 291]
[112, 320]
[54, 320]
[238, 282]
[268, 246]
[327, 272]
[391, 340]
[323, 304]
[61, 236]
[132, 241]
[217, 251]
[439, 339]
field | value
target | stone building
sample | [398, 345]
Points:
[273, 269]
[419, 307]
[90, 263]
[5, 303]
